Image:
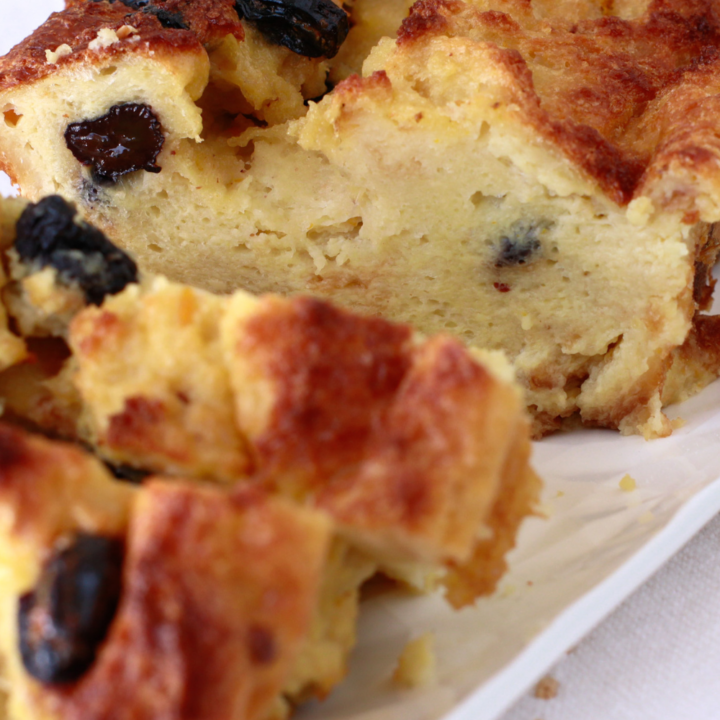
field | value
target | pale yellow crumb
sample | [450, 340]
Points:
[416, 664]
[678, 423]
[507, 591]
[646, 518]
[545, 510]
[547, 688]
[559, 494]
[627, 483]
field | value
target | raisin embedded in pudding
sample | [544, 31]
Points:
[66, 617]
[520, 245]
[313, 28]
[49, 233]
[128, 137]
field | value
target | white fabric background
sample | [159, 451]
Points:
[655, 658]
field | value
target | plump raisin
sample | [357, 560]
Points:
[128, 137]
[521, 244]
[313, 28]
[65, 618]
[49, 234]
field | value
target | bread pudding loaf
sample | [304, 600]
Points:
[532, 176]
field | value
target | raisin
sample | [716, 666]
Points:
[167, 18]
[48, 234]
[520, 245]
[128, 137]
[65, 618]
[313, 28]
[128, 473]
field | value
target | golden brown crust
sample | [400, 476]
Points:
[605, 91]
[334, 375]
[209, 19]
[449, 423]
[518, 496]
[219, 588]
[49, 485]
[197, 636]
[78, 26]
[174, 416]
[401, 441]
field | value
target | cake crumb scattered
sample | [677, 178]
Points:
[547, 688]
[678, 423]
[646, 518]
[416, 664]
[52, 56]
[627, 483]
[545, 510]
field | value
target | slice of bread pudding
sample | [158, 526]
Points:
[533, 176]
[172, 599]
[413, 450]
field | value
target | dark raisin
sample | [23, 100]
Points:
[128, 137]
[48, 233]
[520, 245]
[168, 19]
[134, 4]
[65, 618]
[313, 28]
[128, 473]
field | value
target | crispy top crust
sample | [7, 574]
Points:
[78, 26]
[198, 635]
[401, 440]
[219, 588]
[169, 401]
[49, 486]
[622, 99]
[334, 376]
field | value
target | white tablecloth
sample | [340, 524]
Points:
[657, 657]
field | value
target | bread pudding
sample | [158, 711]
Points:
[405, 455]
[537, 177]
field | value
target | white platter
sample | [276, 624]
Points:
[569, 571]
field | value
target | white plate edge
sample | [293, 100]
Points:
[499, 692]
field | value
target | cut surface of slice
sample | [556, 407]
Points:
[529, 176]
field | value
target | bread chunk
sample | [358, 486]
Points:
[218, 589]
[536, 177]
